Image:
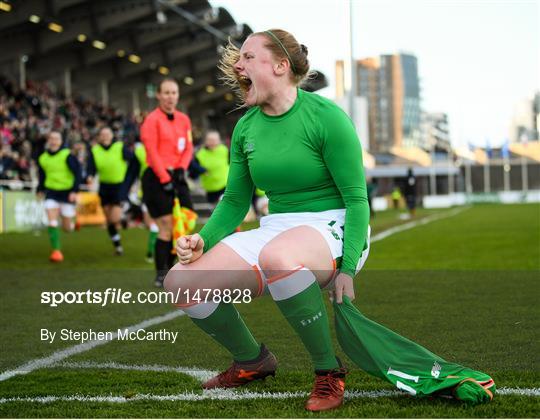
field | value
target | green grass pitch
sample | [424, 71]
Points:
[465, 286]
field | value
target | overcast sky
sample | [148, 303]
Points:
[476, 58]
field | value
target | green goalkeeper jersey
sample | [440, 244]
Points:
[308, 159]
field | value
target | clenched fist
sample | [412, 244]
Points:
[189, 248]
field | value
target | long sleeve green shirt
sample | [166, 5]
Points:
[308, 159]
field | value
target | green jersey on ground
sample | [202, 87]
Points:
[410, 367]
[308, 159]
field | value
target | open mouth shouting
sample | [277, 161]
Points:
[245, 84]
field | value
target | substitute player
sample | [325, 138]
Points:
[166, 134]
[139, 167]
[214, 158]
[59, 179]
[302, 150]
[109, 159]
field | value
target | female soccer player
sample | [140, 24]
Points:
[214, 159]
[59, 179]
[110, 158]
[302, 150]
[166, 134]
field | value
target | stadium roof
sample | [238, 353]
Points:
[115, 48]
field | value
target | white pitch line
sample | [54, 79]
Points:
[203, 375]
[424, 221]
[231, 395]
[200, 374]
[81, 348]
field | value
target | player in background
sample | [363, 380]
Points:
[166, 134]
[213, 157]
[59, 179]
[137, 170]
[302, 150]
[409, 191]
[109, 159]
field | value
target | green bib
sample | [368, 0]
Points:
[216, 163]
[110, 163]
[140, 154]
[58, 176]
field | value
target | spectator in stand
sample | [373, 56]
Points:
[7, 163]
[28, 115]
[6, 132]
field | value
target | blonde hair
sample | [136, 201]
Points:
[282, 45]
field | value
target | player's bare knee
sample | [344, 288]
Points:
[175, 278]
[182, 282]
[274, 261]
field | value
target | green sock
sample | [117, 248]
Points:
[226, 326]
[54, 237]
[151, 243]
[306, 313]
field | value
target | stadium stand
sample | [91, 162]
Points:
[76, 65]
[116, 52]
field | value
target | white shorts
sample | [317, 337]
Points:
[329, 223]
[66, 209]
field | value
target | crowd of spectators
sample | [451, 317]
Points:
[27, 115]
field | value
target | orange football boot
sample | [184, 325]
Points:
[241, 373]
[56, 256]
[328, 390]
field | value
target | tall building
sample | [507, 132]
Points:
[367, 72]
[526, 119]
[391, 85]
[435, 134]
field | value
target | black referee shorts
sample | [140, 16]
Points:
[110, 194]
[159, 201]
